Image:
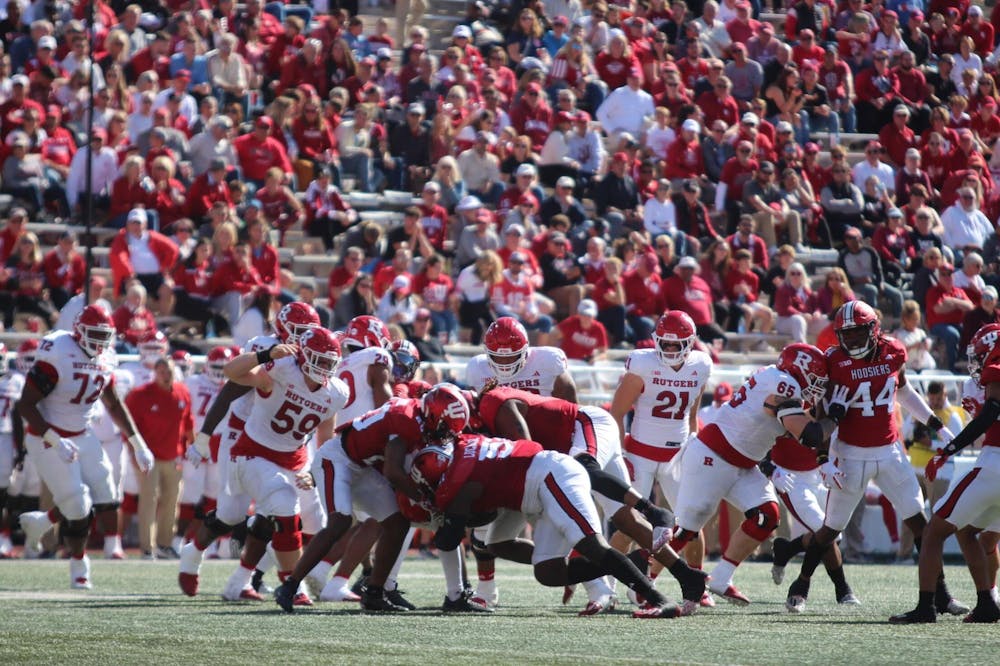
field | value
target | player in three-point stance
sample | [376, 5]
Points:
[867, 378]
[71, 373]
[972, 503]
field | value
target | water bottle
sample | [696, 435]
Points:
[210, 328]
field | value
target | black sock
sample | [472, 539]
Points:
[624, 570]
[926, 600]
[366, 571]
[611, 487]
[374, 590]
[642, 505]
[840, 585]
[814, 555]
[943, 596]
[916, 543]
[795, 546]
[579, 569]
[680, 568]
[984, 598]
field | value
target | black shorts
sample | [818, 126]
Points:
[152, 282]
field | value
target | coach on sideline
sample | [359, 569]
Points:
[162, 413]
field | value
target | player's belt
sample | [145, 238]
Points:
[664, 453]
[62, 433]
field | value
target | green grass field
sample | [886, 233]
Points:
[136, 614]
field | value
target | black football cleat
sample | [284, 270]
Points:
[918, 615]
[983, 614]
[285, 595]
[375, 601]
[693, 585]
[396, 597]
[358, 586]
[464, 605]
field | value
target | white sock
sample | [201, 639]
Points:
[321, 571]
[268, 561]
[242, 575]
[339, 582]
[451, 562]
[486, 588]
[394, 574]
[177, 543]
[595, 588]
[112, 544]
[722, 574]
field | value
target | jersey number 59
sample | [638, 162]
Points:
[284, 421]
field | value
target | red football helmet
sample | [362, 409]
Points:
[429, 466]
[153, 346]
[506, 344]
[366, 331]
[405, 361]
[320, 354]
[293, 320]
[983, 348]
[94, 330]
[675, 327]
[857, 329]
[215, 361]
[26, 355]
[183, 361]
[445, 412]
[807, 365]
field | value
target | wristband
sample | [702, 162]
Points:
[934, 423]
[264, 356]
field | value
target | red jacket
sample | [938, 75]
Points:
[131, 325]
[230, 277]
[265, 261]
[203, 194]
[313, 142]
[163, 418]
[256, 157]
[121, 263]
[533, 122]
[125, 197]
[64, 275]
[195, 281]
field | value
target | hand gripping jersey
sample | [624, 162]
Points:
[353, 371]
[743, 424]
[240, 408]
[538, 375]
[550, 420]
[364, 439]
[11, 385]
[870, 421]
[661, 412]
[282, 419]
[500, 465]
[78, 381]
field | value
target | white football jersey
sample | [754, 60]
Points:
[745, 423]
[282, 419]
[101, 424]
[353, 371]
[973, 397]
[537, 375]
[79, 381]
[668, 395]
[203, 393]
[242, 406]
[11, 385]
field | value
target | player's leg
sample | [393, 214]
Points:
[377, 499]
[351, 550]
[273, 490]
[313, 520]
[989, 540]
[986, 609]
[6, 471]
[642, 474]
[97, 473]
[130, 495]
[392, 591]
[500, 538]
[193, 482]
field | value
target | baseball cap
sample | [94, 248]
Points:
[564, 117]
[514, 229]
[526, 200]
[531, 63]
[19, 80]
[620, 156]
[566, 181]
[137, 215]
[423, 314]
[264, 121]
[401, 283]
[431, 186]
[767, 167]
[526, 169]
[560, 20]
[557, 237]
[946, 268]
[975, 10]
[384, 54]
[462, 31]
[750, 119]
[812, 147]
[691, 185]
[723, 392]
[912, 152]
[183, 74]
[587, 308]
[469, 202]
[688, 262]
[784, 126]
[895, 212]
[990, 292]
[517, 258]
[416, 107]
[691, 125]
[217, 164]
[47, 42]
[582, 117]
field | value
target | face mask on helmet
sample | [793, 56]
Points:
[856, 341]
[95, 340]
[673, 352]
[319, 367]
[295, 331]
[214, 372]
[815, 389]
[404, 366]
[975, 363]
[505, 366]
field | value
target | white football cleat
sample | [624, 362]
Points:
[777, 574]
[236, 591]
[35, 524]
[707, 600]
[79, 573]
[190, 567]
[338, 589]
[604, 604]
[689, 607]
[730, 593]
[6, 547]
[491, 600]
[795, 604]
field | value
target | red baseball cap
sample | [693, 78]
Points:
[620, 156]
[723, 392]
[264, 121]
[183, 74]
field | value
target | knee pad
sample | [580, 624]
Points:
[106, 506]
[130, 503]
[186, 512]
[287, 533]
[260, 527]
[761, 521]
[215, 526]
[77, 528]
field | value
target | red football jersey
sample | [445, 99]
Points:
[792, 455]
[550, 420]
[500, 465]
[990, 374]
[871, 419]
[365, 437]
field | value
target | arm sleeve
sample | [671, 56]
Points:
[913, 402]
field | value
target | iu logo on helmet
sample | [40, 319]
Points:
[455, 410]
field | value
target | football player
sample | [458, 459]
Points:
[200, 482]
[795, 474]
[25, 486]
[664, 387]
[11, 385]
[590, 436]
[867, 379]
[405, 363]
[237, 401]
[70, 374]
[721, 461]
[297, 395]
[972, 503]
[512, 362]
[357, 470]
[474, 474]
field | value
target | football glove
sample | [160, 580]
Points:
[832, 476]
[782, 479]
[143, 456]
[934, 464]
[839, 403]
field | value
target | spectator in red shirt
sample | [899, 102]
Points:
[981, 31]
[742, 287]
[615, 62]
[433, 216]
[609, 294]
[146, 255]
[746, 238]
[946, 307]
[162, 414]
[896, 137]
[688, 292]
[65, 270]
[400, 265]
[344, 276]
[258, 152]
[719, 103]
[532, 116]
[436, 292]
[514, 296]
[234, 283]
[193, 280]
[684, 156]
[208, 188]
[798, 314]
[132, 189]
[133, 319]
[582, 337]
[644, 296]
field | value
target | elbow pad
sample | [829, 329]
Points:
[812, 435]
